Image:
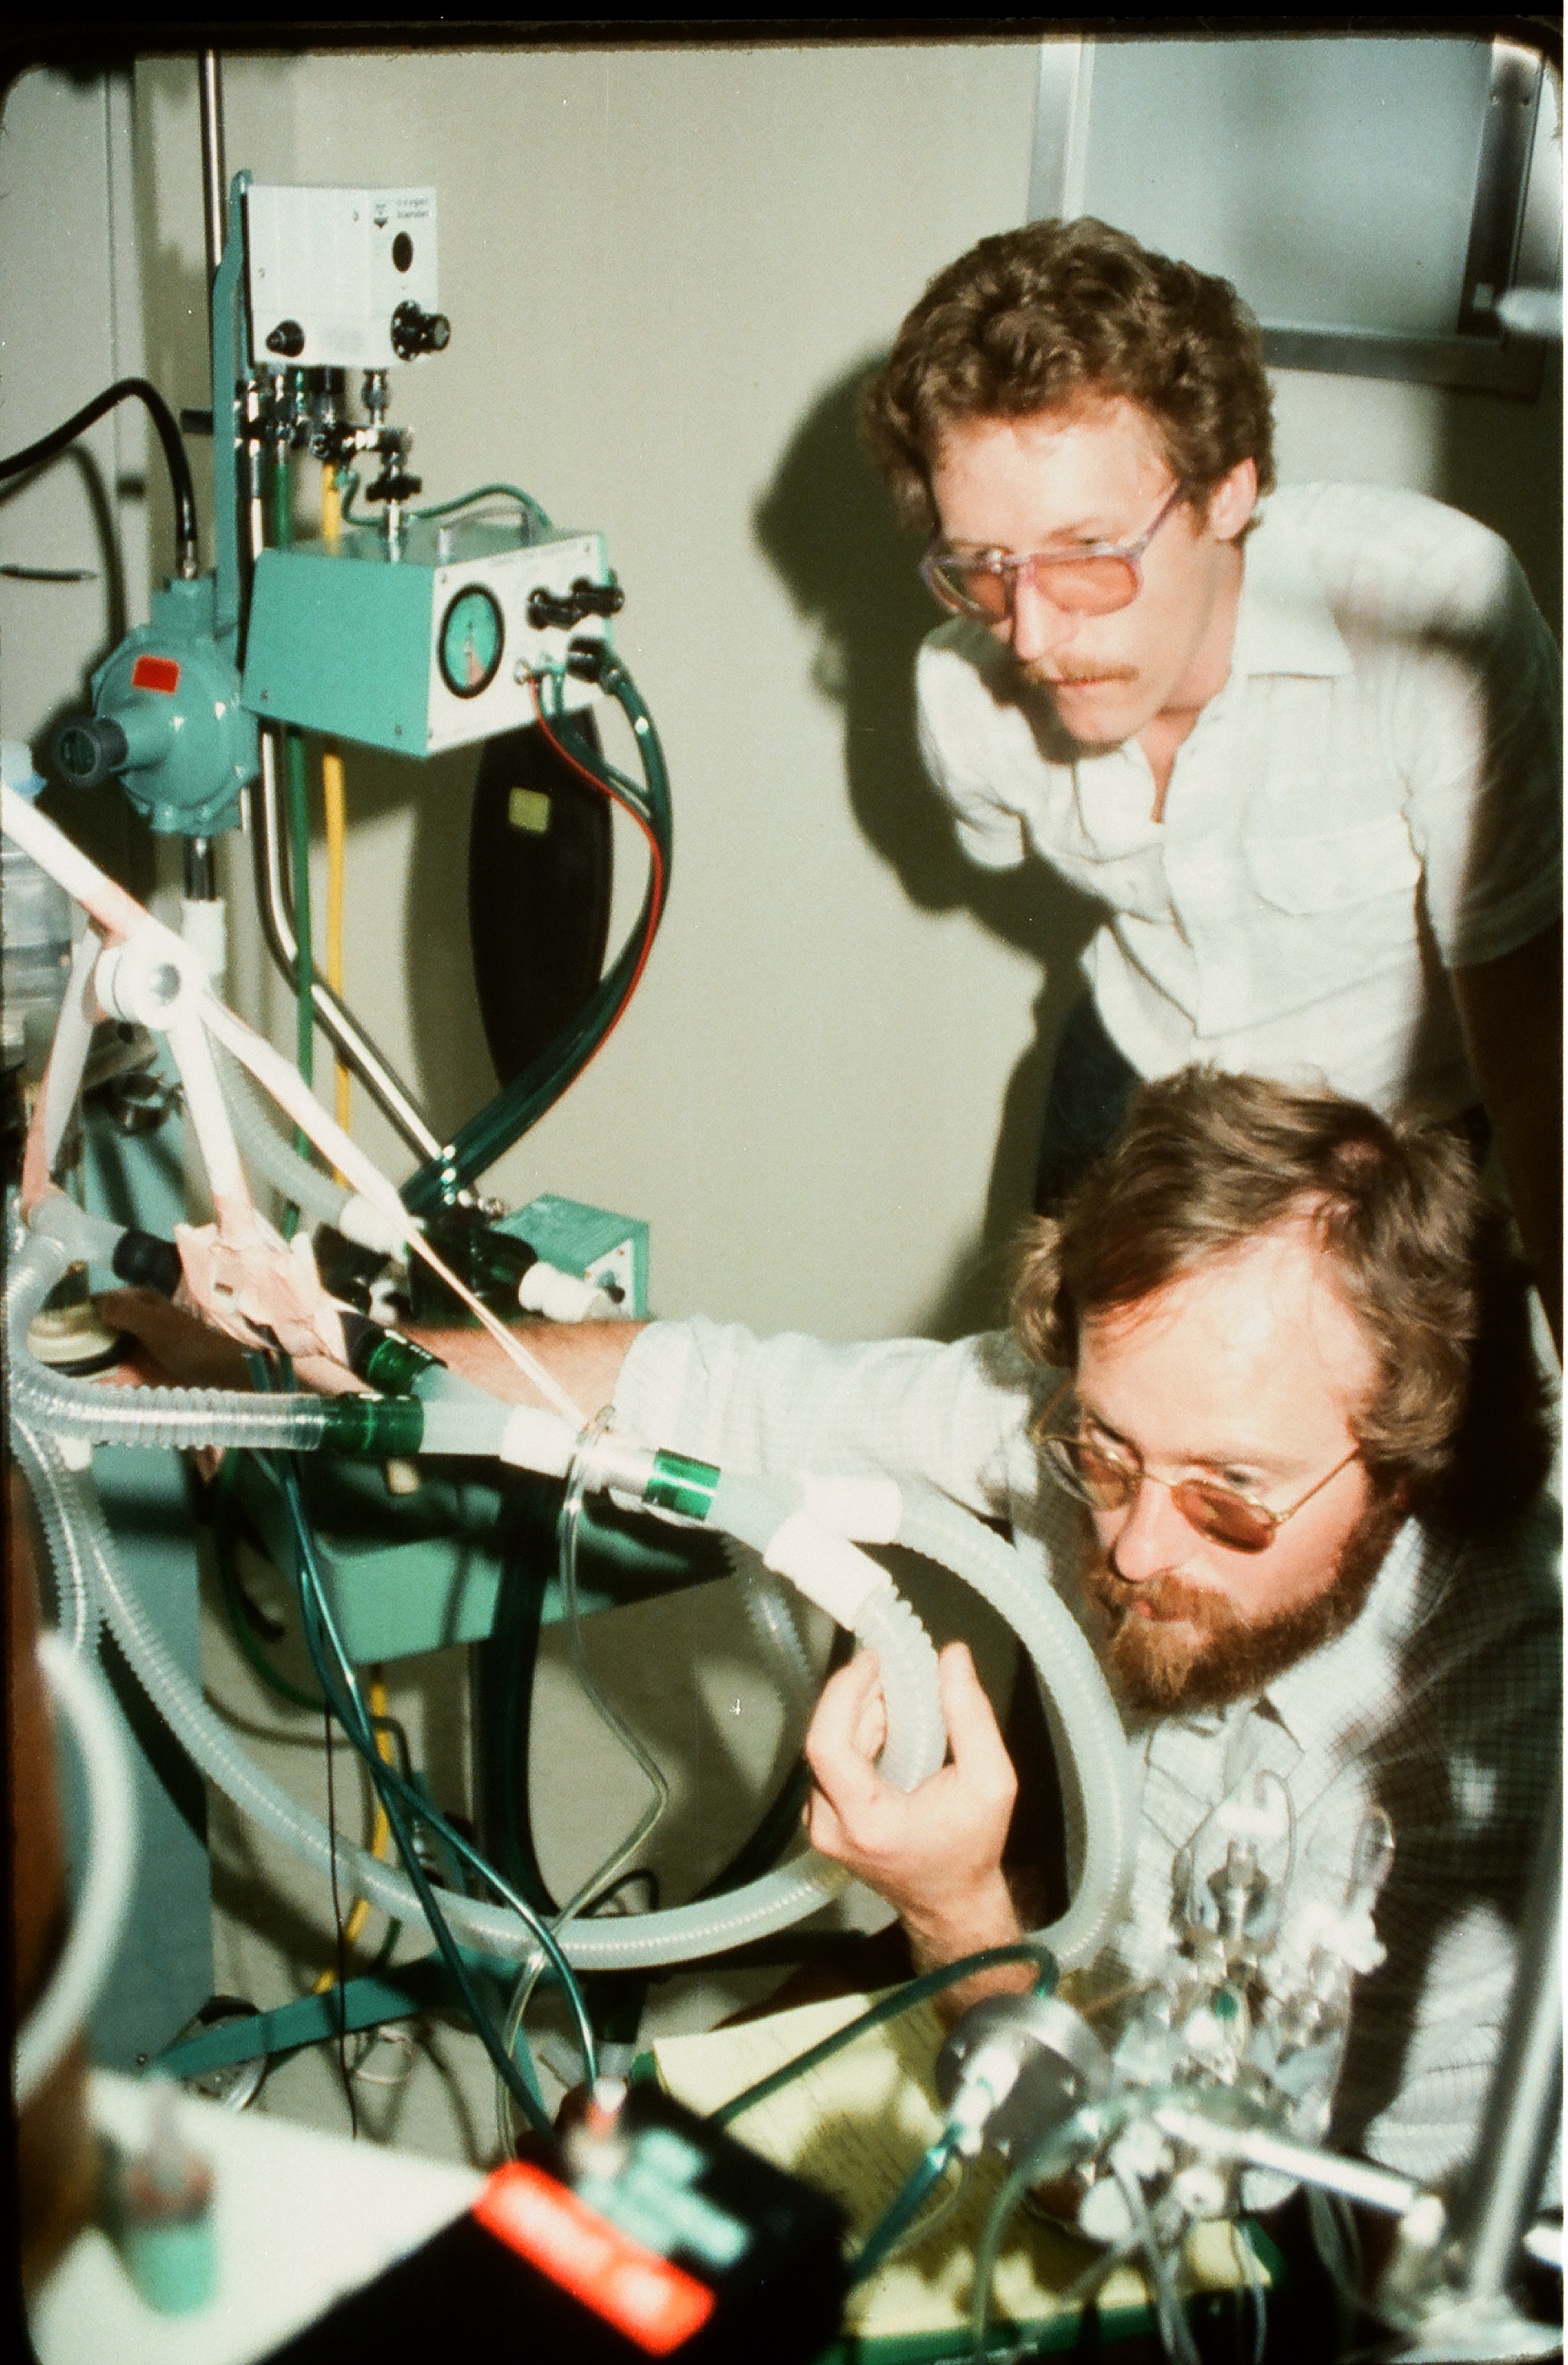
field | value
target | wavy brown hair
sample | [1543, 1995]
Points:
[1063, 313]
[1460, 1416]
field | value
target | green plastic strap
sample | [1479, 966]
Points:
[373, 1429]
[681, 1484]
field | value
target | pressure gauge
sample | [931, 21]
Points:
[469, 646]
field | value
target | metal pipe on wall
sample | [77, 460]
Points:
[273, 895]
[379, 1079]
[1523, 2106]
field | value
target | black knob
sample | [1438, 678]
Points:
[394, 486]
[288, 339]
[598, 598]
[90, 749]
[415, 331]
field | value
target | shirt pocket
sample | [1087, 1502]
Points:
[1334, 870]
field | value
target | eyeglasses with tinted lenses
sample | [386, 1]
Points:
[1094, 580]
[1098, 1474]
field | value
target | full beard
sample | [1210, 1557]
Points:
[1189, 1648]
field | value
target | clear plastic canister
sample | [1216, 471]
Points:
[35, 935]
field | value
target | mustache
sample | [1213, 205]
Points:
[1160, 1597]
[1043, 679]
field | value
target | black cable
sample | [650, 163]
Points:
[338, 1928]
[163, 420]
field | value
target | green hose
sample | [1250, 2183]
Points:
[889, 2007]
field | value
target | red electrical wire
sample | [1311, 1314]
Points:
[656, 892]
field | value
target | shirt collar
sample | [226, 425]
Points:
[1283, 624]
[1341, 1684]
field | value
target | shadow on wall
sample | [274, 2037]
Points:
[450, 1076]
[1501, 460]
[827, 526]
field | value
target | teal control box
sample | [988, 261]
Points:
[609, 1251]
[425, 644]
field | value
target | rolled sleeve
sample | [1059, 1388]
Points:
[958, 729]
[944, 1413]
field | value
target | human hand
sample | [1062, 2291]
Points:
[934, 1853]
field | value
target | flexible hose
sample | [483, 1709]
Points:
[884, 1622]
[314, 1193]
[769, 1612]
[175, 455]
[1075, 1690]
[766, 1907]
[80, 1695]
[75, 1588]
[151, 1416]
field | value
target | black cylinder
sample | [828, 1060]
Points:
[90, 749]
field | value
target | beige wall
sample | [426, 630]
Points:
[665, 270]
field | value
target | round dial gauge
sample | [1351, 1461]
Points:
[468, 649]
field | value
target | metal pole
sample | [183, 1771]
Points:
[378, 1078]
[272, 889]
[1524, 2105]
[214, 180]
[201, 882]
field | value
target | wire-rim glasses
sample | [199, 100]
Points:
[1099, 1473]
[1093, 580]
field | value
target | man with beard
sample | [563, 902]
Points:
[1302, 747]
[1270, 1420]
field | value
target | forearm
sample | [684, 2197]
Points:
[584, 1358]
[991, 1919]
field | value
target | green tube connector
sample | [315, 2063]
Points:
[373, 1429]
[681, 1484]
[392, 1363]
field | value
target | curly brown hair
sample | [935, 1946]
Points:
[1039, 318]
[1460, 1416]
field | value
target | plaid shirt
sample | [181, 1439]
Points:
[1440, 1703]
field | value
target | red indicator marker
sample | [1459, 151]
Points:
[654, 2304]
[155, 673]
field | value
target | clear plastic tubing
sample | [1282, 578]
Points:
[931, 1525]
[374, 1426]
[82, 1697]
[1085, 1713]
[764, 1906]
[315, 1193]
[75, 1581]
[171, 1416]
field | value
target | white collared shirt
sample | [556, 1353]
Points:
[1372, 798]
[1439, 1703]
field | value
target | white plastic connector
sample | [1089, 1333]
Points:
[561, 1297]
[203, 925]
[989, 2077]
[868, 1509]
[369, 1225]
[1200, 2192]
[1104, 2213]
[827, 1568]
[536, 1439]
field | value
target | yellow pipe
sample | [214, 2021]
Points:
[337, 838]
[381, 1831]
[337, 826]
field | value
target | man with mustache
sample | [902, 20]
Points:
[1270, 1420]
[1304, 755]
